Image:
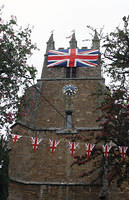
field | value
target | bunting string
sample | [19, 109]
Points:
[72, 146]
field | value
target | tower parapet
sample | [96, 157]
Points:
[78, 72]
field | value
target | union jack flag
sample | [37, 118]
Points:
[73, 58]
[123, 151]
[89, 148]
[15, 138]
[53, 145]
[106, 148]
[72, 147]
[35, 142]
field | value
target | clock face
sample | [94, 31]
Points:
[69, 90]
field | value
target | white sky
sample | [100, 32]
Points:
[63, 16]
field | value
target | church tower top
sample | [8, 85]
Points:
[70, 66]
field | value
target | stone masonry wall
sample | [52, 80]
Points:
[42, 175]
[55, 192]
[84, 103]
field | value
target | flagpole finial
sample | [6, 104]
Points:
[52, 31]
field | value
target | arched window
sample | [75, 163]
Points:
[68, 119]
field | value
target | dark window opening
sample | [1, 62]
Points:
[68, 72]
[69, 120]
[74, 72]
[71, 72]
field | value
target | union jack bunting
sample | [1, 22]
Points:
[72, 147]
[15, 138]
[35, 142]
[53, 145]
[89, 148]
[73, 58]
[123, 151]
[106, 149]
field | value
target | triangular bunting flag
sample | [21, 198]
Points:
[53, 145]
[35, 142]
[89, 148]
[15, 138]
[123, 150]
[72, 147]
[106, 149]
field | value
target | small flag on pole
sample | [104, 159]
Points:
[68, 37]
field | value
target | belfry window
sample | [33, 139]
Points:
[74, 72]
[70, 72]
[68, 119]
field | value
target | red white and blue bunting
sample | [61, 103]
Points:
[15, 138]
[89, 148]
[72, 146]
[35, 142]
[123, 151]
[106, 148]
[53, 145]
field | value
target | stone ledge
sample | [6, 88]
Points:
[89, 128]
[58, 130]
[13, 179]
[59, 79]
[67, 131]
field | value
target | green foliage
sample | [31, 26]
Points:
[114, 120]
[116, 56]
[16, 74]
[115, 131]
[4, 161]
[115, 108]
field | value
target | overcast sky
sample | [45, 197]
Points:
[63, 16]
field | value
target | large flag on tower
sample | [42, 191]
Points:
[73, 58]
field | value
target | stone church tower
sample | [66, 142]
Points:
[51, 114]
